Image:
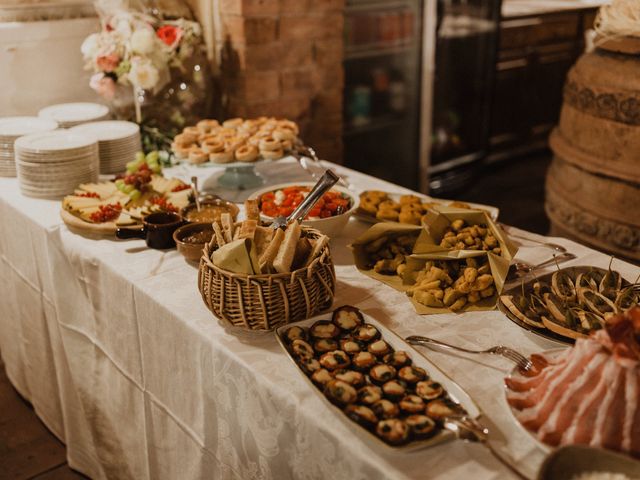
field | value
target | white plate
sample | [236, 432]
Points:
[14, 127]
[493, 211]
[456, 393]
[74, 112]
[109, 131]
[56, 141]
[547, 448]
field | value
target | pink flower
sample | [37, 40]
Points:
[105, 86]
[108, 63]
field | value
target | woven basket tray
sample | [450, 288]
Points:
[264, 302]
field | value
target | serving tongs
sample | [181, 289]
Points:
[310, 163]
[328, 180]
[470, 430]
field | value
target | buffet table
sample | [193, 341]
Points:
[113, 346]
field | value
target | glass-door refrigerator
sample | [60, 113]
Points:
[418, 83]
[382, 82]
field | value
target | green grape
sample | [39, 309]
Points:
[135, 194]
[129, 188]
[156, 168]
[139, 158]
[153, 156]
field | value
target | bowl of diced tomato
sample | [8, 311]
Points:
[329, 215]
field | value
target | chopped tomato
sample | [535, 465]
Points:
[327, 206]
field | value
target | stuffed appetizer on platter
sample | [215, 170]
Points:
[376, 386]
[571, 302]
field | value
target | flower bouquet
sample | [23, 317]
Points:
[151, 69]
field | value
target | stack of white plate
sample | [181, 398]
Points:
[12, 128]
[52, 164]
[71, 114]
[118, 142]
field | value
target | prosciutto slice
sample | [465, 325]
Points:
[589, 393]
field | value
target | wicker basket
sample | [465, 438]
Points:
[264, 302]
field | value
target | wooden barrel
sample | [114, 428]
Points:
[593, 184]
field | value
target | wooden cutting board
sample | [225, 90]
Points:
[78, 225]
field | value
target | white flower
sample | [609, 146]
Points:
[143, 74]
[142, 41]
[90, 46]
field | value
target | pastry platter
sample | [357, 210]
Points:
[569, 303]
[424, 201]
[439, 388]
[239, 175]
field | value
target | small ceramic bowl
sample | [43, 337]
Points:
[331, 226]
[221, 204]
[191, 251]
[571, 461]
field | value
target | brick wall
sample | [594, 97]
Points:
[284, 58]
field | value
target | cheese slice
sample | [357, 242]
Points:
[164, 185]
[104, 189]
[179, 199]
[75, 203]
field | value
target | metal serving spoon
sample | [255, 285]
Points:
[194, 190]
[327, 181]
[524, 268]
[552, 246]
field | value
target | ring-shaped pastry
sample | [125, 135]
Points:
[290, 125]
[213, 145]
[225, 156]
[247, 153]
[206, 125]
[287, 145]
[226, 132]
[191, 131]
[184, 140]
[196, 155]
[281, 133]
[270, 143]
[181, 153]
[272, 154]
[232, 123]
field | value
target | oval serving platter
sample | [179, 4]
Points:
[544, 332]
[455, 392]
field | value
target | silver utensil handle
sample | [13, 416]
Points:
[327, 181]
[194, 190]
[416, 339]
[552, 261]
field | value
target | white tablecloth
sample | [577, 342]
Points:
[114, 347]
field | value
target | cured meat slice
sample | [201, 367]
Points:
[589, 393]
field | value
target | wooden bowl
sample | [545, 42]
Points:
[191, 251]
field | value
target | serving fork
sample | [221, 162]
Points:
[520, 360]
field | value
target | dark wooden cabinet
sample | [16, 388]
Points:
[534, 55]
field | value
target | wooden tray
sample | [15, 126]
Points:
[78, 225]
